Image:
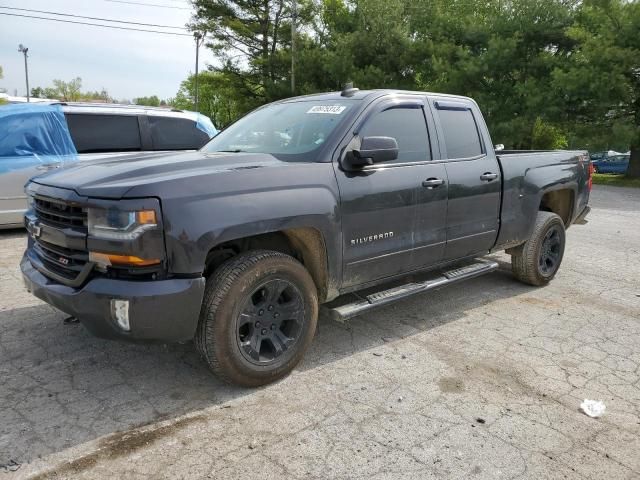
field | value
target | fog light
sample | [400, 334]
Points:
[120, 313]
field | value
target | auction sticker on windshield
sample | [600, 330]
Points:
[330, 109]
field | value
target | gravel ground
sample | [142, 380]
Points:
[481, 380]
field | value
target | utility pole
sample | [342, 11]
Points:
[24, 50]
[294, 14]
[199, 37]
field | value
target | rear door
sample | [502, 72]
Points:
[379, 203]
[473, 209]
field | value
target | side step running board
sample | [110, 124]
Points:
[385, 297]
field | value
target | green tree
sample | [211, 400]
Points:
[546, 73]
[217, 98]
[501, 53]
[68, 91]
[152, 101]
[250, 37]
[102, 96]
[546, 136]
[601, 80]
[367, 42]
[37, 92]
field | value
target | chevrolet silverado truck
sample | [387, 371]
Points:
[352, 199]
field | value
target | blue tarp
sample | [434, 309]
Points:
[203, 123]
[32, 134]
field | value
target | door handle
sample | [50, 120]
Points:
[432, 182]
[488, 176]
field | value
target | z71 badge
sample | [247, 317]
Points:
[371, 238]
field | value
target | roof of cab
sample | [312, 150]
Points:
[366, 94]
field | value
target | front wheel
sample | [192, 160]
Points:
[537, 261]
[258, 317]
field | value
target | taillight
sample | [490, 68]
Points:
[592, 169]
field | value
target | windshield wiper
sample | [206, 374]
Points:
[237, 150]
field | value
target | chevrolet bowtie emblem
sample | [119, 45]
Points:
[34, 229]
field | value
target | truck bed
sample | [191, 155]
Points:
[526, 174]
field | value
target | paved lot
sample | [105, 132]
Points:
[482, 380]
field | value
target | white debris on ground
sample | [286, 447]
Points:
[593, 408]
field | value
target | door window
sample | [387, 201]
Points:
[407, 126]
[173, 133]
[461, 136]
[104, 133]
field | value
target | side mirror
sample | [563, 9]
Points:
[373, 150]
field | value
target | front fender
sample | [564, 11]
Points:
[195, 225]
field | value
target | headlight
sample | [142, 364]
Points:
[114, 224]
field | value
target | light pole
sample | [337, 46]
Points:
[22, 49]
[199, 37]
[294, 14]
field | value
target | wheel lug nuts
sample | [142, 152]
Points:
[257, 324]
[260, 312]
[264, 331]
[276, 315]
[270, 307]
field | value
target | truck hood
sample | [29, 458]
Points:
[142, 175]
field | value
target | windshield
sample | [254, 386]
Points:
[289, 131]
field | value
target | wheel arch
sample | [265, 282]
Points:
[306, 244]
[560, 201]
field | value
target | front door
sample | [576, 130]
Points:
[379, 203]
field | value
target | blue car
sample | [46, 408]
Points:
[613, 164]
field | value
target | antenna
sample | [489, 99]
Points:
[348, 90]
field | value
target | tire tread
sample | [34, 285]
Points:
[524, 258]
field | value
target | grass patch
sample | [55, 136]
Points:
[615, 180]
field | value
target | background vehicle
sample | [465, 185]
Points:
[304, 201]
[613, 164]
[38, 137]
[604, 154]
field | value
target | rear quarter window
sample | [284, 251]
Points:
[104, 133]
[174, 133]
[461, 135]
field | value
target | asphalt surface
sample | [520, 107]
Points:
[480, 380]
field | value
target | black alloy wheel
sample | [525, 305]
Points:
[271, 321]
[550, 251]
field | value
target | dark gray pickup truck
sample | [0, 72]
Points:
[302, 202]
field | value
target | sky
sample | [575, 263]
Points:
[127, 64]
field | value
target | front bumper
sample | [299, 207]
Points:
[161, 310]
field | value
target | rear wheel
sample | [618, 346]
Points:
[258, 317]
[537, 261]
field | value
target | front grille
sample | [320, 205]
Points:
[63, 261]
[68, 222]
[59, 213]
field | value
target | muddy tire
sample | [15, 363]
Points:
[536, 262]
[258, 317]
